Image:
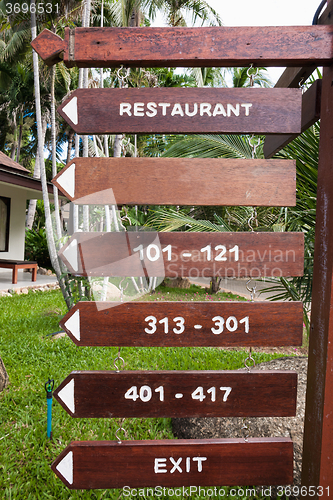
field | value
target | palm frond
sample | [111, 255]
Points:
[211, 146]
[173, 220]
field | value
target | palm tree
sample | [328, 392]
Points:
[247, 77]
[130, 12]
[176, 11]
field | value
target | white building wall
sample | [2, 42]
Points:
[18, 198]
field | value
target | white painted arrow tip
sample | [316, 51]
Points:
[66, 180]
[65, 467]
[71, 254]
[70, 110]
[67, 395]
[73, 325]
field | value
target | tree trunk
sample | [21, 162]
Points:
[70, 145]
[215, 284]
[31, 214]
[117, 145]
[48, 220]
[136, 18]
[33, 203]
[3, 376]
[85, 85]
[13, 149]
[19, 142]
[54, 157]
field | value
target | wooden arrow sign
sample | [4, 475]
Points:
[215, 324]
[106, 394]
[188, 47]
[179, 181]
[184, 110]
[185, 254]
[176, 462]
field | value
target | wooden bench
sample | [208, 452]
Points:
[15, 265]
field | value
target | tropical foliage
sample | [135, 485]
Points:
[27, 85]
[304, 149]
[36, 247]
[18, 131]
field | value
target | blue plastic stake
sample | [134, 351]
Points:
[49, 388]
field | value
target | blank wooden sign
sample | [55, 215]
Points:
[184, 110]
[215, 324]
[179, 181]
[183, 462]
[187, 254]
[106, 394]
[188, 47]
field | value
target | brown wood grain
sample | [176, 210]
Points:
[318, 429]
[112, 254]
[123, 323]
[188, 47]
[311, 101]
[181, 181]
[293, 77]
[101, 394]
[229, 462]
[272, 111]
[49, 46]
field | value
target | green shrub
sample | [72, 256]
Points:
[36, 247]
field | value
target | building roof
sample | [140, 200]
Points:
[13, 173]
[7, 163]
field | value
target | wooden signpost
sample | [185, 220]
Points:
[311, 102]
[184, 462]
[109, 394]
[318, 430]
[261, 111]
[190, 254]
[184, 110]
[188, 47]
[179, 181]
[215, 324]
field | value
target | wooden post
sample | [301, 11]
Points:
[307, 46]
[318, 432]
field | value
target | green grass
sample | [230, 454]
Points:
[194, 293]
[32, 356]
